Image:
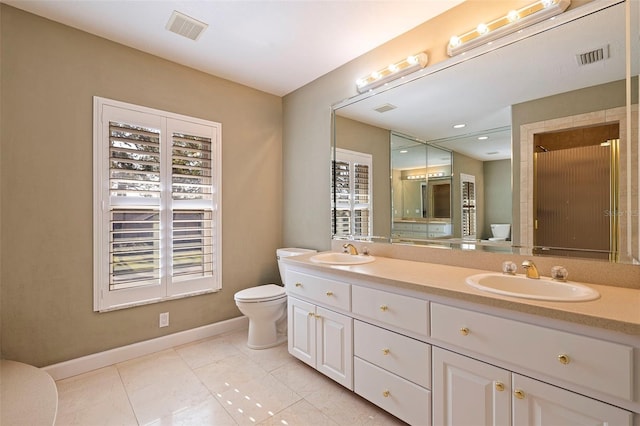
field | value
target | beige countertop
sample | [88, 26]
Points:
[617, 309]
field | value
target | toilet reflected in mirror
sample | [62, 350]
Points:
[500, 231]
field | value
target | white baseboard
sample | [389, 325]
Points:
[91, 362]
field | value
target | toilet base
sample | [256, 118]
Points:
[264, 335]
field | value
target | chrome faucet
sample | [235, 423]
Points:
[350, 248]
[530, 269]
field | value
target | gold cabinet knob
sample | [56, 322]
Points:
[499, 386]
[329, 293]
[317, 316]
[518, 394]
[564, 359]
[298, 284]
[384, 308]
[464, 331]
[386, 394]
[311, 314]
[385, 351]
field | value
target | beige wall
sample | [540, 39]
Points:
[50, 73]
[497, 195]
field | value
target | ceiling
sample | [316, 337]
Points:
[270, 45]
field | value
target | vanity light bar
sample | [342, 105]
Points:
[507, 24]
[393, 71]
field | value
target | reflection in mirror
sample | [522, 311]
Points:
[532, 86]
[421, 188]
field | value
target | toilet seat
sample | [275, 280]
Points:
[261, 293]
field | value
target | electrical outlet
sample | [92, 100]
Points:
[164, 319]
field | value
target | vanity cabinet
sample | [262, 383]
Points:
[320, 336]
[436, 362]
[393, 371]
[468, 392]
[569, 357]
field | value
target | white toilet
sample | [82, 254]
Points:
[500, 231]
[266, 307]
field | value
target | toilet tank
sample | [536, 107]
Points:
[286, 252]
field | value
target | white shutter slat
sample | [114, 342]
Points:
[192, 184]
[134, 160]
[134, 242]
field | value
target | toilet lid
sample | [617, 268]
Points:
[262, 293]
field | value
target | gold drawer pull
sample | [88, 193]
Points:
[311, 314]
[298, 284]
[384, 308]
[464, 331]
[385, 351]
[518, 394]
[386, 394]
[499, 386]
[564, 359]
[317, 316]
[329, 293]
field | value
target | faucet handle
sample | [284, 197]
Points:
[509, 268]
[559, 273]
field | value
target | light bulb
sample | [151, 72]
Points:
[360, 82]
[392, 68]
[375, 75]
[482, 29]
[513, 16]
[547, 3]
[412, 60]
[455, 41]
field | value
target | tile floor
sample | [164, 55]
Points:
[217, 381]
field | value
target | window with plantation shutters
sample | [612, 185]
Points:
[157, 205]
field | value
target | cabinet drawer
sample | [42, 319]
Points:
[401, 355]
[405, 400]
[324, 291]
[400, 311]
[585, 361]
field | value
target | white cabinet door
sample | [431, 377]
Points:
[334, 350]
[469, 392]
[539, 404]
[302, 330]
[323, 339]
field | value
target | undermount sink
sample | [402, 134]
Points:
[342, 258]
[528, 288]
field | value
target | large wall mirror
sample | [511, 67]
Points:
[545, 164]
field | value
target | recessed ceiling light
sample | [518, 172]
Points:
[404, 151]
[483, 138]
[493, 153]
[459, 126]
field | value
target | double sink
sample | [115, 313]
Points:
[496, 283]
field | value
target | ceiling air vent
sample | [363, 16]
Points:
[595, 55]
[385, 108]
[185, 26]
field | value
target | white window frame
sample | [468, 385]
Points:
[353, 158]
[169, 287]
